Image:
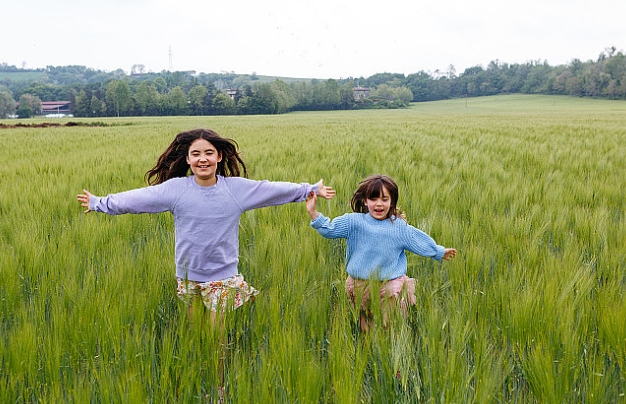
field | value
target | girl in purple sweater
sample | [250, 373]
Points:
[207, 206]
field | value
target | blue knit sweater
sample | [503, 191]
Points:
[375, 248]
[206, 219]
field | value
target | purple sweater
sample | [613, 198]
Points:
[206, 219]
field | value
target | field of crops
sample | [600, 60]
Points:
[530, 190]
[22, 76]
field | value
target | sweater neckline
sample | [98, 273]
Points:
[372, 219]
[195, 184]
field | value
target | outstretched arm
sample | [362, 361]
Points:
[84, 200]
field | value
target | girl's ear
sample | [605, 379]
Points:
[219, 157]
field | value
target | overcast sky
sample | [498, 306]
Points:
[307, 39]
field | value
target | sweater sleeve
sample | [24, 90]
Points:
[422, 244]
[152, 199]
[339, 227]
[251, 194]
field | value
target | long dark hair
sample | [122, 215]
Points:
[173, 162]
[372, 187]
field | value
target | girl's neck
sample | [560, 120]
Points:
[209, 182]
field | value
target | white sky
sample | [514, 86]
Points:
[307, 39]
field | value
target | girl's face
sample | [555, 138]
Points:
[203, 158]
[379, 207]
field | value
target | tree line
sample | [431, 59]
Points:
[95, 93]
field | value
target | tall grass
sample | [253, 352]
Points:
[530, 190]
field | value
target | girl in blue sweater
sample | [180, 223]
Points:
[377, 236]
[206, 206]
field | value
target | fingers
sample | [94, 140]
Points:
[449, 254]
[326, 192]
[84, 200]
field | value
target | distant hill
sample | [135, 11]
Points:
[28, 76]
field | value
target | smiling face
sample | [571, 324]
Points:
[378, 206]
[378, 196]
[203, 158]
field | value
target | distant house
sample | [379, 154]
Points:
[232, 92]
[360, 92]
[56, 108]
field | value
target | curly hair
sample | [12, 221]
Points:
[372, 187]
[173, 161]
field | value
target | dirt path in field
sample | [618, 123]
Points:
[50, 125]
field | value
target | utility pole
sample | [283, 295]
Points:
[170, 59]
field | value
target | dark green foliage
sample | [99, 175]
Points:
[166, 93]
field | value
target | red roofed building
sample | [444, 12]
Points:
[56, 107]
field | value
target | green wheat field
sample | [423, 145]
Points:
[530, 190]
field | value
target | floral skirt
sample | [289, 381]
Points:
[225, 295]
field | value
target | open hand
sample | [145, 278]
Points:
[84, 200]
[324, 191]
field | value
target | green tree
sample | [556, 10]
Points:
[7, 104]
[224, 105]
[384, 91]
[421, 85]
[537, 79]
[81, 106]
[24, 111]
[593, 80]
[207, 108]
[175, 102]
[161, 85]
[284, 96]
[46, 92]
[29, 105]
[249, 102]
[97, 106]
[303, 92]
[267, 101]
[118, 97]
[332, 96]
[244, 105]
[347, 96]
[403, 94]
[175, 79]
[197, 97]
[146, 99]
